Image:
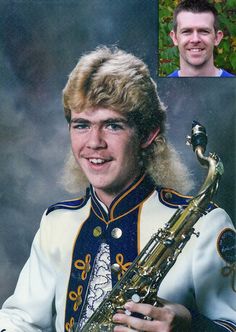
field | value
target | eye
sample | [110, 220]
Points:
[80, 126]
[186, 32]
[114, 126]
[204, 32]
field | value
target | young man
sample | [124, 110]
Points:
[84, 246]
[196, 33]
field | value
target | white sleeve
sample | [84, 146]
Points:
[214, 290]
[29, 309]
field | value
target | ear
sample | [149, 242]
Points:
[218, 38]
[151, 137]
[173, 36]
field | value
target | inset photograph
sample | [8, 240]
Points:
[197, 38]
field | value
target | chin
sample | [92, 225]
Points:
[105, 186]
[198, 63]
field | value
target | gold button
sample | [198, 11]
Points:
[97, 231]
[116, 268]
[168, 195]
[116, 233]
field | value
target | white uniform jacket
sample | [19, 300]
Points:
[53, 283]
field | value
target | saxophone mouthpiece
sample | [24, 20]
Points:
[198, 136]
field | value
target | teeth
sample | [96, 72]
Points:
[195, 49]
[97, 161]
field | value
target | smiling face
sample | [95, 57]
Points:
[106, 148]
[196, 38]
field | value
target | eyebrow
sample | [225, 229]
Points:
[192, 28]
[105, 121]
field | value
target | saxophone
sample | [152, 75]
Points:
[142, 280]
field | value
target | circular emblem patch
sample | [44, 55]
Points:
[226, 245]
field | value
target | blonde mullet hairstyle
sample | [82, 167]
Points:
[114, 79]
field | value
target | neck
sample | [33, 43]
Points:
[107, 196]
[207, 69]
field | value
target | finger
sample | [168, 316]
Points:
[121, 328]
[155, 313]
[136, 324]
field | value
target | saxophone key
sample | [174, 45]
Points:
[128, 313]
[136, 298]
[168, 242]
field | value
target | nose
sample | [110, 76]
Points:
[195, 37]
[96, 139]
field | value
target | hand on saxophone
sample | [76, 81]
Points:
[168, 318]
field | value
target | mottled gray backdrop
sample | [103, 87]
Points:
[40, 43]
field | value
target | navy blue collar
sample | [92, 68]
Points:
[126, 201]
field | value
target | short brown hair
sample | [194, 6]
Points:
[196, 6]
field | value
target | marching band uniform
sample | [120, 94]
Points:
[82, 248]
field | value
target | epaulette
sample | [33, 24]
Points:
[173, 199]
[73, 204]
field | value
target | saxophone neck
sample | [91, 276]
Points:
[212, 161]
[198, 140]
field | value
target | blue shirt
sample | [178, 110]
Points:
[224, 73]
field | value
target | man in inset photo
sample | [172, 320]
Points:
[196, 33]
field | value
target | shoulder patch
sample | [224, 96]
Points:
[172, 198]
[226, 245]
[73, 204]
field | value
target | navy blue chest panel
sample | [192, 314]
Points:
[119, 228]
[122, 237]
